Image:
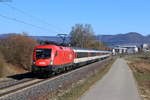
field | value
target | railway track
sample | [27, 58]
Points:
[22, 87]
[14, 85]
[9, 83]
[4, 82]
[10, 86]
[18, 86]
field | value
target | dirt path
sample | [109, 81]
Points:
[117, 84]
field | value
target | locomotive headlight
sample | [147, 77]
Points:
[51, 62]
[33, 62]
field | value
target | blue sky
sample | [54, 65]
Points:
[105, 16]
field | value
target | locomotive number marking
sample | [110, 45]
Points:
[41, 62]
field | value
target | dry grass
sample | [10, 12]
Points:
[9, 69]
[2, 64]
[17, 52]
[141, 70]
[17, 49]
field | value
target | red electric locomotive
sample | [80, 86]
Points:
[51, 58]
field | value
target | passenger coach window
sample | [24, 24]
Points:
[82, 54]
[93, 54]
[43, 53]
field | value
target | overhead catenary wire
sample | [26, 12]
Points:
[33, 17]
[23, 22]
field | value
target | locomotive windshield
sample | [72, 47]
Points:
[43, 53]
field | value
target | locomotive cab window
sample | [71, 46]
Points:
[43, 53]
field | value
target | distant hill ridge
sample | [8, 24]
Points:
[133, 38]
[128, 38]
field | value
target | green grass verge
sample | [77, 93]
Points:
[83, 85]
[142, 76]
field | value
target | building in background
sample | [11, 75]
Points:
[145, 47]
[125, 49]
[119, 50]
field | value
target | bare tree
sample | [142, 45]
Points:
[83, 36]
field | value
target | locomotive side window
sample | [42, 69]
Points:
[43, 53]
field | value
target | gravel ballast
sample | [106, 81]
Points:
[41, 90]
